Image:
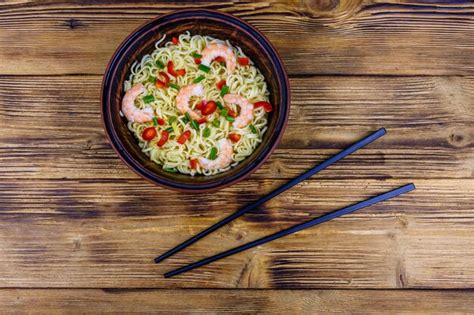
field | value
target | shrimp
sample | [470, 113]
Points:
[184, 95]
[214, 50]
[133, 113]
[224, 158]
[246, 109]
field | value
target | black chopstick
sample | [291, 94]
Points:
[354, 147]
[295, 228]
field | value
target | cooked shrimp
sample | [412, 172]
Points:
[133, 113]
[212, 51]
[184, 95]
[224, 158]
[246, 109]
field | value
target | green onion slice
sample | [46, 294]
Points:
[204, 68]
[188, 118]
[160, 65]
[172, 119]
[149, 98]
[199, 79]
[213, 154]
[169, 169]
[224, 90]
[253, 129]
[195, 124]
[174, 86]
[206, 132]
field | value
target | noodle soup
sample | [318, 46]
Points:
[196, 105]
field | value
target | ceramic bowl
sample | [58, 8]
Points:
[203, 22]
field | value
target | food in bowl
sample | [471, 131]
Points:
[196, 105]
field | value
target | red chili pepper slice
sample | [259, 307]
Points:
[161, 121]
[172, 71]
[209, 108]
[164, 75]
[197, 61]
[220, 84]
[202, 120]
[149, 133]
[160, 84]
[164, 137]
[175, 40]
[234, 137]
[184, 136]
[267, 107]
[243, 61]
[200, 105]
[193, 163]
[231, 113]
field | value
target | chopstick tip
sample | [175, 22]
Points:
[159, 259]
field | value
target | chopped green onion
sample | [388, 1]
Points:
[206, 132]
[195, 124]
[196, 55]
[160, 65]
[224, 90]
[204, 68]
[219, 105]
[213, 154]
[152, 79]
[172, 119]
[169, 169]
[169, 129]
[224, 112]
[253, 129]
[149, 98]
[155, 121]
[199, 79]
[174, 86]
[188, 118]
[175, 128]
[231, 119]
[216, 123]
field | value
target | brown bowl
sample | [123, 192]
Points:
[204, 22]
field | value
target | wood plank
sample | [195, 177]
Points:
[232, 301]
[313, 37]
[50, 128]
[89, 234]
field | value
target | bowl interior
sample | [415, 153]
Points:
[203, 22]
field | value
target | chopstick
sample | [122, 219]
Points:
[295, 228]
[354, 147]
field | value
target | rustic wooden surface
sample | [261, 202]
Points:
[78, 230]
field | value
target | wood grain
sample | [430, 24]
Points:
[235, 301]
[80, 233]
[50, 128]
[74, 219]
[313, 36]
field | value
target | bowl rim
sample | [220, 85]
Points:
[218, 186]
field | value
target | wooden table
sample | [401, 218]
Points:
[79, 230]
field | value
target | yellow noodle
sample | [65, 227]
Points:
[246, 81]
